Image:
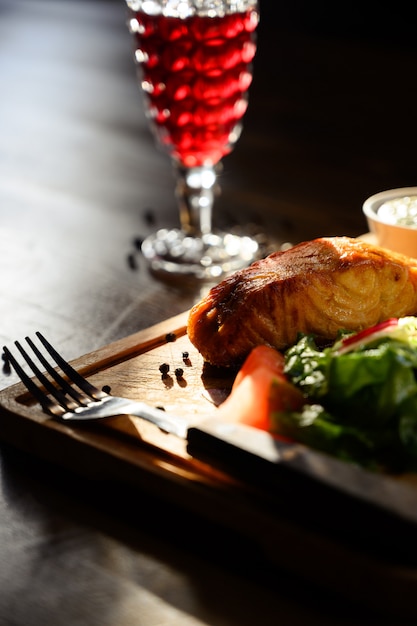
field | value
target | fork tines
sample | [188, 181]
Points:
[62, 391]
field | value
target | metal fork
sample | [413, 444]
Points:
[75, 398]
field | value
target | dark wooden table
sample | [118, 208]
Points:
[331, 121]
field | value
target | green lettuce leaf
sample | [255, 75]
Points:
[364, 398]
[315, 427]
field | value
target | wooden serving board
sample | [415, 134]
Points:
[135, 453]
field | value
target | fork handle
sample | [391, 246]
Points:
[303, 480]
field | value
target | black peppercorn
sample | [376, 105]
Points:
[132, 262]
[164, 368]
[137, 242]
[149, 217]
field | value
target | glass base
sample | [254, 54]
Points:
[210, 257]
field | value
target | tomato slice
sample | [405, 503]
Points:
[260, 389]
[261, 356]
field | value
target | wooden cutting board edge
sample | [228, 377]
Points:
[102, 454]
[286, 545]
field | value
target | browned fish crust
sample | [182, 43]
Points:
[318, 286]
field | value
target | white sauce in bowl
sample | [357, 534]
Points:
[401, 211]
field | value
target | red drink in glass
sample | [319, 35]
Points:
[195, 59]
[195, 72]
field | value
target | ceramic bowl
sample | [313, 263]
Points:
[392, 219]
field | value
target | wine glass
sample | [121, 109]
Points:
[194, 62]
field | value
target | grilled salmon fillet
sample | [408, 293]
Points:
[319, 286]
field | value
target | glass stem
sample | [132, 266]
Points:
[195, 192]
